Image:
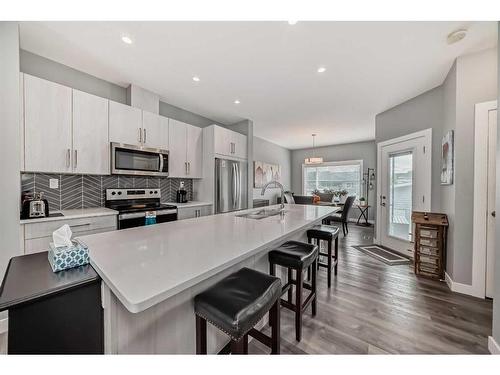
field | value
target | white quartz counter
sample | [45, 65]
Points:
[146, 265]
[191, 204]
[74, 214]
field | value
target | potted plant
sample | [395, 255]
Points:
[341, 195]
[362, 201]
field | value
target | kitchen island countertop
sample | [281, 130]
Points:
[146, 265]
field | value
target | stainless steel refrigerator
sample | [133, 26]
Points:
[230, 185]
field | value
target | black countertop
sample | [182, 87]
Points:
[30, 277]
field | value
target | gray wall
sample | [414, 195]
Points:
[272, 153]
[53, 71]
[365, 151]
[56, 72]
[10, 148]
[448, 191]
[476, 83]
[422, 112]
[472, 79]
[496, 299]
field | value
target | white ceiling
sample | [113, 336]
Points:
[271, 67]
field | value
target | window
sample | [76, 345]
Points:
[342, 175]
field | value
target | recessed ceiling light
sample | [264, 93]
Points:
[456, 36]
[321, 69]
[126, 39]
[196, 79]
[237, 101]
[292, 22]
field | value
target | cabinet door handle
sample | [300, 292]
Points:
[186, 167]
[189, 168]
[75, 161]
[68, 158]
[145, 134]
[140, 135]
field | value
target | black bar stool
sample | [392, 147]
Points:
[326, 233]
[297, 256]
[235, 305]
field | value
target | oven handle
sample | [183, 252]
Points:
[161, 163]
[135, 215]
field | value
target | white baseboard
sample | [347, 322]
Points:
[493, 346]
[461, 288]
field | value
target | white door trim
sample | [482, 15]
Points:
[427, 134]
[480, 197]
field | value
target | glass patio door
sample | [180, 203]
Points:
[405, 184]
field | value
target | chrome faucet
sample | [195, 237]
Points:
[276, 184]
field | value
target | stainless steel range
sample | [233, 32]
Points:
[139, 207]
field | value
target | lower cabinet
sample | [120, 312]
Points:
[38, 236]
[193, 212]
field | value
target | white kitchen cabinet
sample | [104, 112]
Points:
[186, 150]
[194, 151]
[229, 143]
[125, 124]
[38, 235]
[155, 130]
[177, 134]
[193, 212]
[90, 134]
[47, 126]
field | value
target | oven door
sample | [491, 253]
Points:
[138, 219]
[138, 161]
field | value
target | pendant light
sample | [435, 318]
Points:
[313, 159]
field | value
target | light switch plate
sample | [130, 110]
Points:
[53, 183]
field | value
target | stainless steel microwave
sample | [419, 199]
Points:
[138, 161]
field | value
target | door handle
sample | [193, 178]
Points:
[68, 158]
[75, 162]
[140, 135]
[145, 135]
[494, 213]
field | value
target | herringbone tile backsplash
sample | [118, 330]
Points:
[85, 191]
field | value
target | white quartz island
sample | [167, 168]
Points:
[151, 274]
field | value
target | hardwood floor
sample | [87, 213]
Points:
[374, 308]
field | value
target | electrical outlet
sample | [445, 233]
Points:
[53, 183]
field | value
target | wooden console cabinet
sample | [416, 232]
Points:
[430, 244]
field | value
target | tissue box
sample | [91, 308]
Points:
[63, 258]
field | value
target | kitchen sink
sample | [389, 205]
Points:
[262, 214]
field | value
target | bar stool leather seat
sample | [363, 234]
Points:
[324, 232]
[294, 254]
[239, 301]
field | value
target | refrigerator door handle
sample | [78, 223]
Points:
[235, 184]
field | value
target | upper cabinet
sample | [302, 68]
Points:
[155, 130]
[186, 150]
[47, 126]
[229, 143]
[194, 151]
[125, 124]
[65, 130]
[90, 134]
[134, 126]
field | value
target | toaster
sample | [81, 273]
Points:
[34, 207]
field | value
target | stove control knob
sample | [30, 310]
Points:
[113, 192]
[151, 192]
[156, 191]
[119, 193]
